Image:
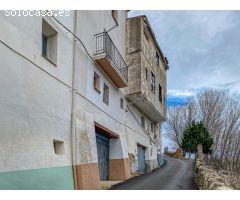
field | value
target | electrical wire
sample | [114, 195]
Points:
[69, 85]
[75, 37]
[95, 63]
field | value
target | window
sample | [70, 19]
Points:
[146, 73]
[96, 82]
[44, 45]
[106, 94]
[160, 93]
[152, 127]
[115, 15]
[143, 121]
[121, 103]
[49, 42]
[153, 83]
[58, 147]
[157, 58]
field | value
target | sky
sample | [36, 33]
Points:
[202, 48]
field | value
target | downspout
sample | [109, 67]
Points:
[73, 112]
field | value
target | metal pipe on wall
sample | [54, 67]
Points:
[73, 112]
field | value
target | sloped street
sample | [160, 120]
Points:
[174, 175]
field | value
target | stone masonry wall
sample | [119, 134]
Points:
[208, 179]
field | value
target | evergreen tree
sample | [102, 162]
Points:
[196, 134]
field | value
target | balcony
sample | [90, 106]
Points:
[110, 60]
[150, 108]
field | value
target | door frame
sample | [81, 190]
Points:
[145, 148]
[105, 132]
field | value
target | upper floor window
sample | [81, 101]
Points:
[146, 73]
[115, 15]
[157, 58]
[121, 103]
[106, 94]
[152, 127]
[160, 93]
[143, 121]
[153, 83]
[96, 82]
[49, 42]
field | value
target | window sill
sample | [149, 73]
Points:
[49, 60]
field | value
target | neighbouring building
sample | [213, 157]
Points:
[147, 76]
[82, 99]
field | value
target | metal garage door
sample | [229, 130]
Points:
[103, 156]
[141, 159]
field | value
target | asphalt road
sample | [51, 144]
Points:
[174, 175]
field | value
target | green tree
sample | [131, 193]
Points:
[195, 134]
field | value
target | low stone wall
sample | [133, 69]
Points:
[208, 179]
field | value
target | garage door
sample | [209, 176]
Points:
[103, 156]
[141, 159]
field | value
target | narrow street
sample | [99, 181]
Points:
[174, 175]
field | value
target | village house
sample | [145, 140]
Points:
[82, 99]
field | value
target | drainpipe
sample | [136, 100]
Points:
[73, 112]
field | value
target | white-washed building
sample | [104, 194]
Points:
[68, 119]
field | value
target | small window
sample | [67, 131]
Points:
[153, 83]
[49, 42]
[146, 73]
[44, 45]
[160, 93]
[58, 147]
[152, 127]
[96, 82]
[115, 15]
[157, 58]
[143, 121]
[121, 103]
[106, 94]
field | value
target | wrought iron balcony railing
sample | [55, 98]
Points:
[105, 45]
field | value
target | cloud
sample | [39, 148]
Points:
[180, 93]
[179, 97]
[202, 48]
